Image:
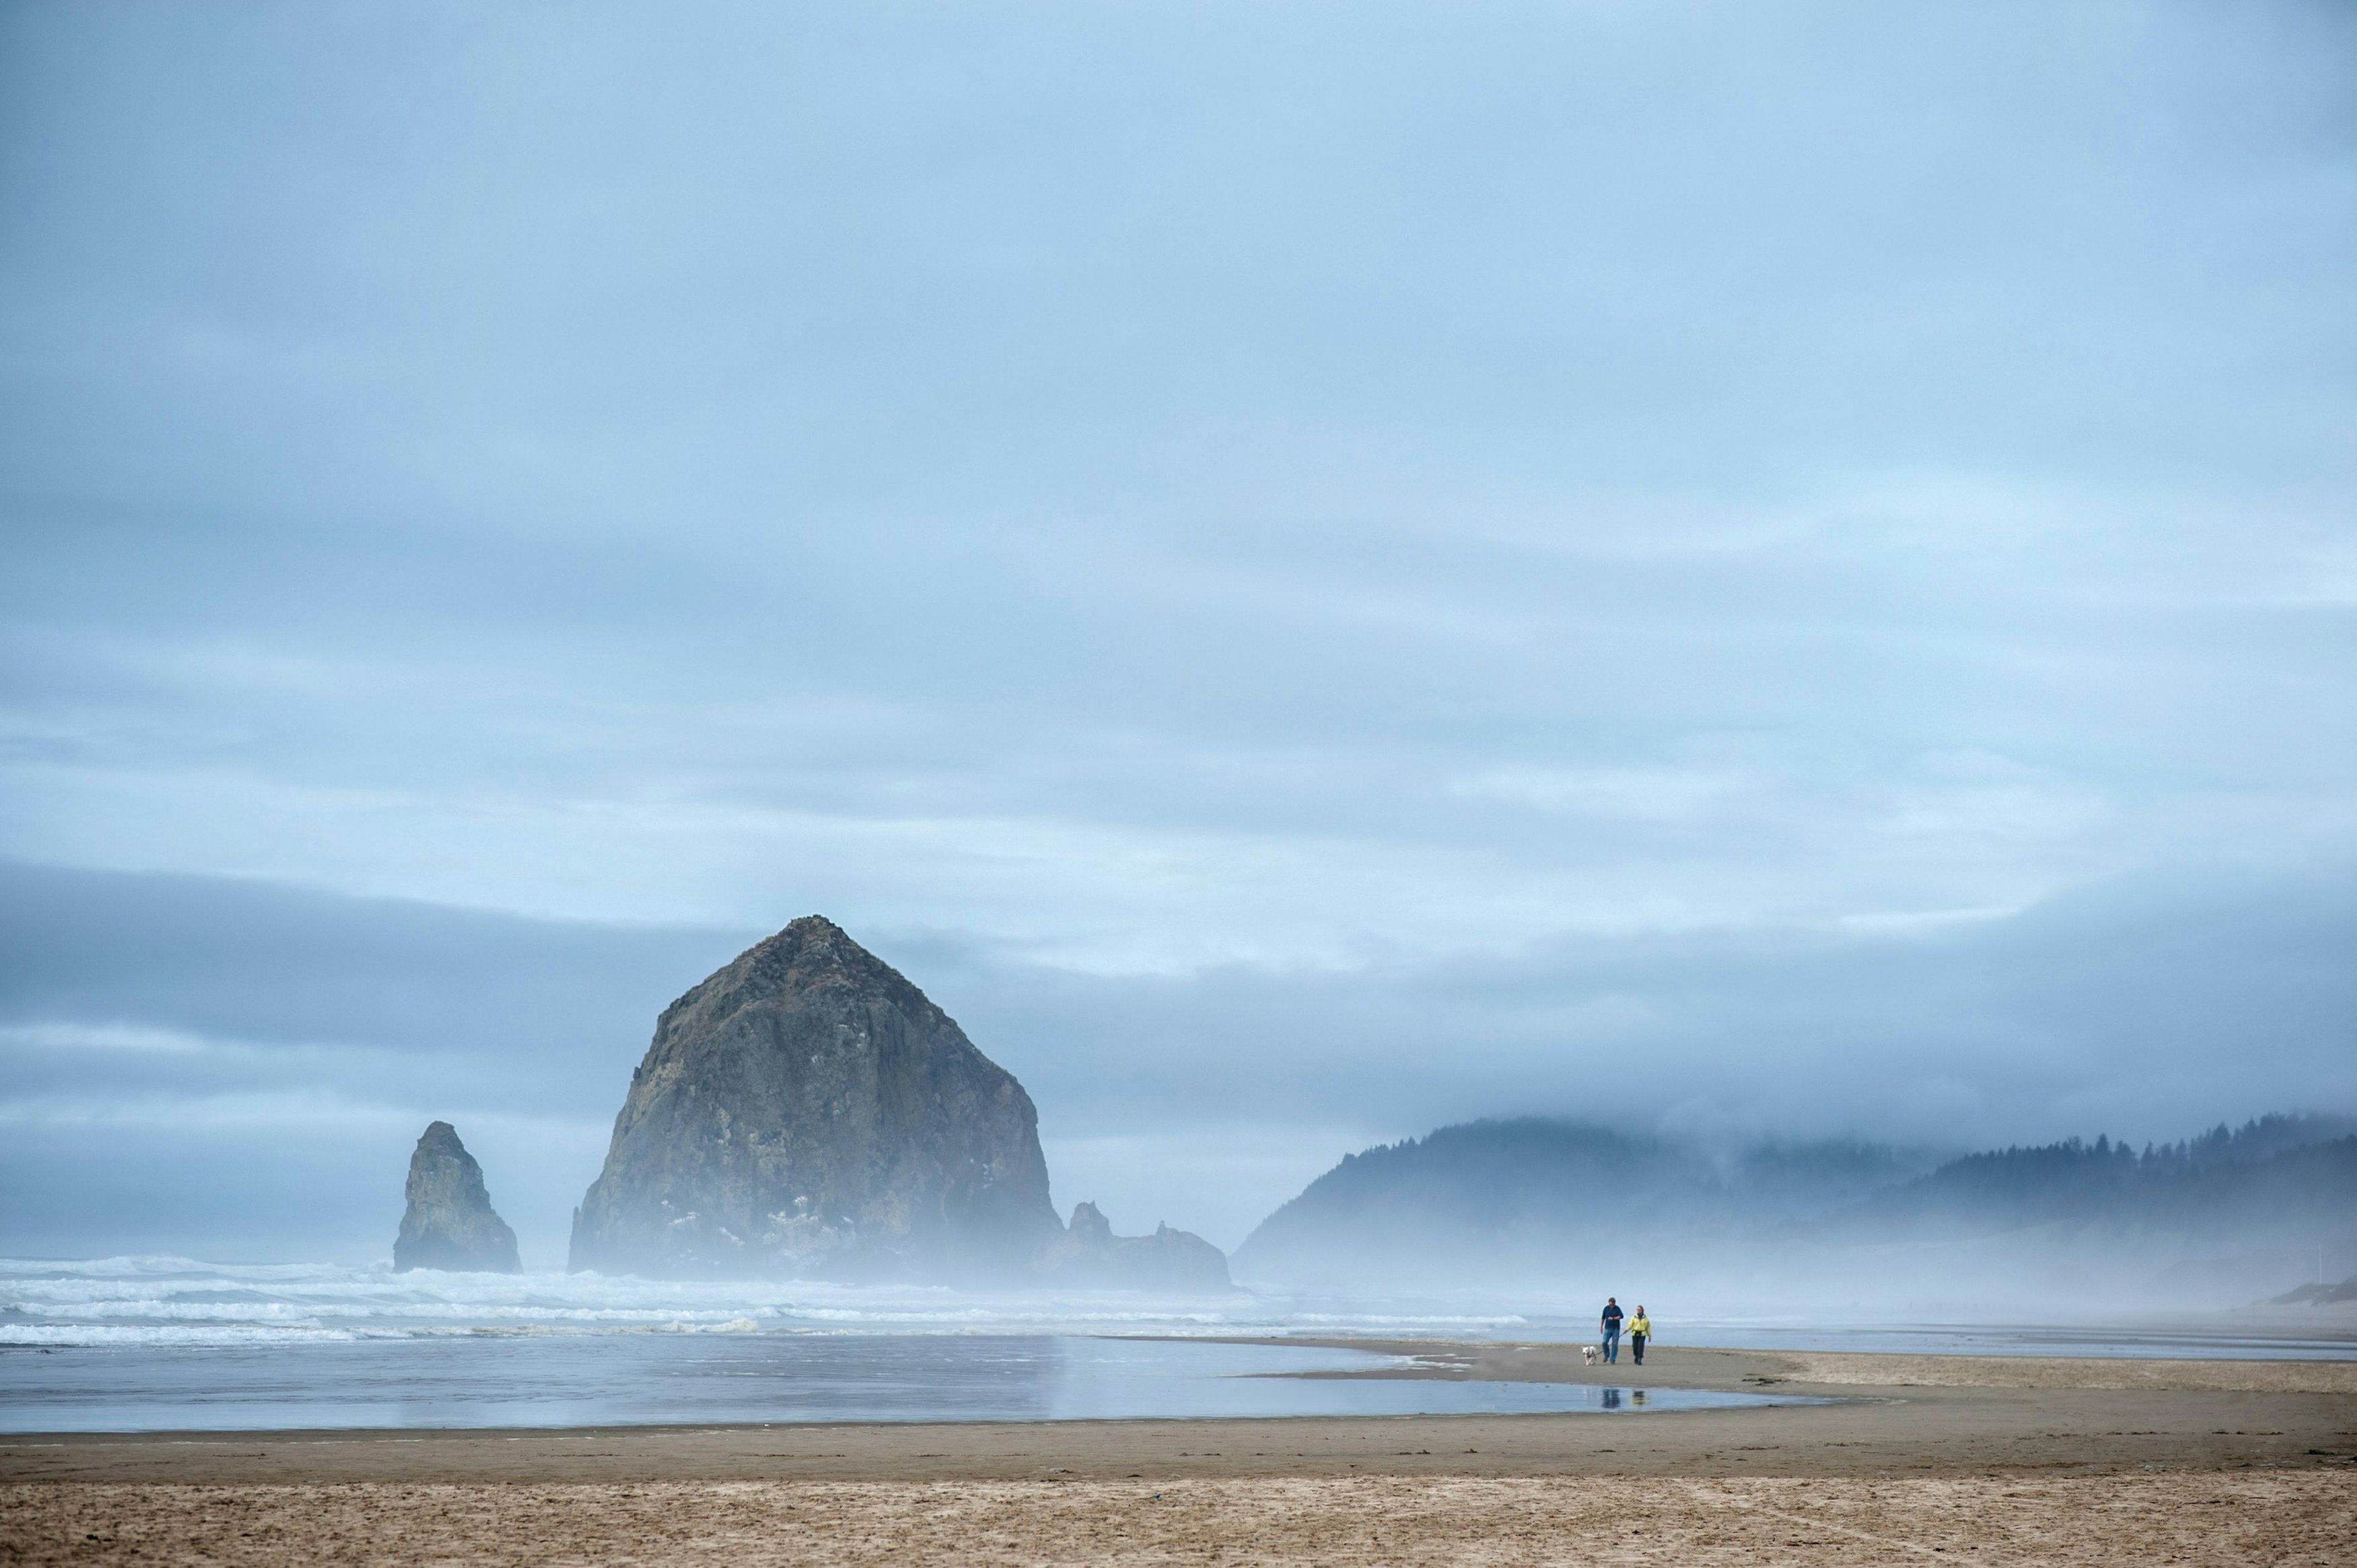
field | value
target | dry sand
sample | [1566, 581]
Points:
[2295, 1518]
[1948, 1458]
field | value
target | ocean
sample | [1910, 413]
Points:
[163, 1343]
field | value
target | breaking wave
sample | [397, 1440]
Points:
[185, 1301]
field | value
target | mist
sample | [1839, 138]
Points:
[237, 1068]
[1531, 1208]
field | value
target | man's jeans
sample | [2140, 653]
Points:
[1612, 1342]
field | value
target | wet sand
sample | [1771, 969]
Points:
[1834, 1371]
[1984, 1459]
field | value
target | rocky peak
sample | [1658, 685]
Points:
[811, 957]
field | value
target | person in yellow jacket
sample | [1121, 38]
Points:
[1640, 1328]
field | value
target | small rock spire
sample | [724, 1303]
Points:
[449, 1223]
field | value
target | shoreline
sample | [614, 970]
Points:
[1868, 1412]
[1750, 1370]
[1933, 1458]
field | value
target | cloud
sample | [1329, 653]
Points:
[1662, 794]
[1551, 555]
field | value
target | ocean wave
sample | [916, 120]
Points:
[169, 1299]
[47, 1336]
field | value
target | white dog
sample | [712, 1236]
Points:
[1591, 1354]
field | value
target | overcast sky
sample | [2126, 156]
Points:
[1308, 571]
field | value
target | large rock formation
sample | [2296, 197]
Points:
[1089, 1254]
[449, 1223]
[807, 1112]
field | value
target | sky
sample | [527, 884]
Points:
[1308, 571]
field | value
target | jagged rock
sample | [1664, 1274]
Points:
[449, 1223]
[1089, 1254]
[808, 1112]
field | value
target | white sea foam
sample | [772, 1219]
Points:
[175, 1300]
[162, 1335]
[166, 1301]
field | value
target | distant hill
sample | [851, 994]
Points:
[2256, 1176]
[1527, 1193]
[2320, 1295]
[2229, 1215]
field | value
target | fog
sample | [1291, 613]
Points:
[238, 1068]
[1527, 1208]
[1308, 574]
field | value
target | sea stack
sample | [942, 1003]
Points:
[449, 1223]
[806, 1112]
[1089, 1254]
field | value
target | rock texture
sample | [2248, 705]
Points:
[1089, 1254]
[807, 1112]
[449, 1223]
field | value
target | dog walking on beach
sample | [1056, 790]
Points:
[1611, 1325]
[1640, 1328]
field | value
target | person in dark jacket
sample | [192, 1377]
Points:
[1611, 1325]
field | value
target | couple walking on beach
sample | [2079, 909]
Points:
[1640, 1328]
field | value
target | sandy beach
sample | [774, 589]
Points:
[1974, 1459]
